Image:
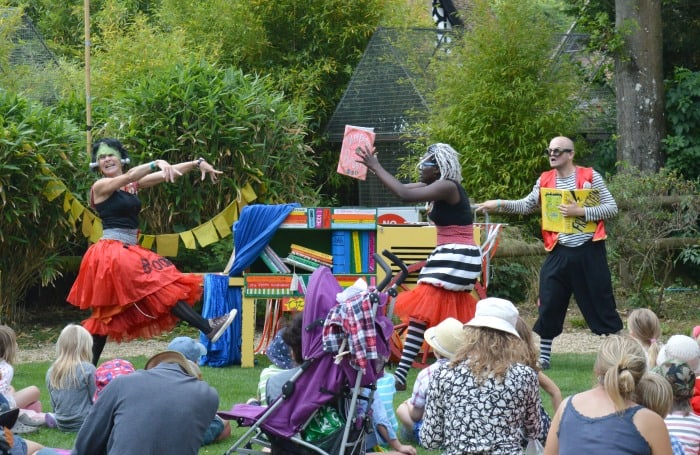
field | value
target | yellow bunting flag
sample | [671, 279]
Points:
[76, 209]
[88, 219]
[96, 230]
[248, 194]
[147, 241]
[188, 239]
[67, 202]
[206, 234]
[222, 227]
[231, 213]
[167, 244]
[54, 189]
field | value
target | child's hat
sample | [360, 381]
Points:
[497, 314]
[681, 377]
[109, 370]
[189, 347]
[683, 348]
[445, 337]
[278, 352]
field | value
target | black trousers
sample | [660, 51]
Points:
[582, 271]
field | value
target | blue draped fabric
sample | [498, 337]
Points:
[251, 234]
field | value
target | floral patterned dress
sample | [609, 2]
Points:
[463, 416]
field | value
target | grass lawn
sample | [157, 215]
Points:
[572, 372]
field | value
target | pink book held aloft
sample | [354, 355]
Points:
[354, 137]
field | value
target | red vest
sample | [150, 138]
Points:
[549, 180]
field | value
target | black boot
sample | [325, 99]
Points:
[98, 344]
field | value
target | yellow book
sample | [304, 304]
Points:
[356, 255]
[553, 220]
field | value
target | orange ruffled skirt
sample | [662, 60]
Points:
[130, 290]
[433, 304]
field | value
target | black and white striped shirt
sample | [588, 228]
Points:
[531, 203]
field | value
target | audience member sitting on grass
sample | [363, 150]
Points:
[444, 339]
[219, 429]
[12, 444]
[605, 419]
[26, 399]
[109, 370]
[285, 353]
[545, 382]
[162, 409]
[70, 379]
[484, 399]
[654, 392]
[681, 422]
[643, 325]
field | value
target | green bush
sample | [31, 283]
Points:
[34, 231]
[657, 211]
[500, 97]
[683, 118]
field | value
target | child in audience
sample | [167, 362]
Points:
[109, 370]
[27, 399]
[682, 422]
[643, 325]
[444, 339]
[71, 378]
[546, 383]
[280, 357]
[654, 392]
[219, 429]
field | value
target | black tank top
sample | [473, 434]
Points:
[120, 210]
[459, 214]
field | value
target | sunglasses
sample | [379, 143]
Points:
[425, 164]
[556, 152]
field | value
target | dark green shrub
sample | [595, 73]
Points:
[658, 214]
[683, 118]
[34, 231]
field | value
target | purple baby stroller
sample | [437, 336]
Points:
[326, 378]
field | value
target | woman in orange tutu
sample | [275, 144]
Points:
[132, 291]
[448, 277]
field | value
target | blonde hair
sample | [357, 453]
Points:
[643, 325]
[533, 354]
[490, 352]
[8, 344]
[655, 392]
[620, 365]
[74, 346]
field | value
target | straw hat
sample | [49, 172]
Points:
[446, 337]
[172, 357]
[495, 313]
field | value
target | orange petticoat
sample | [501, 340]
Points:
[432, 305]
[130, 290]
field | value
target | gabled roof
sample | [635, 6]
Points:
[387, 89]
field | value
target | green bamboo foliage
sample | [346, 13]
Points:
[500, 98]
[33, 231]
[239, 123]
